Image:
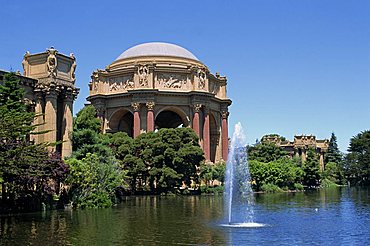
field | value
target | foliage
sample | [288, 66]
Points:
[270, 188]
[298, 186]
[327, 183]
[210, 172]
[29, 175]
[282, 172]
[204, 189]
[333, 172]
[333, 154]
[311, 169]
[266, 152]
[357, 166]
[93, 183]
[159, 161]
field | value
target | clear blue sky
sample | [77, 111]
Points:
[293, 66]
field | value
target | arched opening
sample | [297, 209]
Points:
[170, 118]
[214, 136]
[122, 120]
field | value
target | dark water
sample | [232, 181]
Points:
[325, 217]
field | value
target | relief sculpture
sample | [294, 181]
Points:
[52, 62]
[202, 79]
[171, 80]
[143, 72]
[121, 83]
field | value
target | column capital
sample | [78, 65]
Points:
[224, 114]
[150, 105]
[135, 106]
[100, 110]
[197, 107]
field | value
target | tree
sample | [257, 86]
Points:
[333, 154]
[266, 152]
[357, 167]
[311, 169]
[29, 176]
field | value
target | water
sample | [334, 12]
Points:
[239, 200]
[324, 217]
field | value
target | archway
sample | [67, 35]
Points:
[214, 136]
[122, 120]
[171, 118]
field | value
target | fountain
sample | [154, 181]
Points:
[238, 191]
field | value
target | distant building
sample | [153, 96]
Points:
[300, 145]
[49, 83]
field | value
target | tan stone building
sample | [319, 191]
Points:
[300, 145]
[162, 85]
[49, 83]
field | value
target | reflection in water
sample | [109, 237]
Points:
[323, 217]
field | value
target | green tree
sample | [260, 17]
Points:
[311, 169]
[266, 152]
[333, 154]
[357, 166]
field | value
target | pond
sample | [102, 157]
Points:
[323, 217]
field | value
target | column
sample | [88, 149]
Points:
[51, 118]
[67, 124]
[100, 113]
[225, 135]
[39, 118]
[206, 136]
[136, 107]
[321, 161]
[196, 108]
[150, 117]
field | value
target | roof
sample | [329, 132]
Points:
[157, 49]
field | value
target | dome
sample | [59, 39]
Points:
[157, 49]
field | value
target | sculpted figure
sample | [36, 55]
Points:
[202, 78]
[143, 72]
[73, 67]
[52, 62]
[25, 62]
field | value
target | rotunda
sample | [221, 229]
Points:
[161, 85]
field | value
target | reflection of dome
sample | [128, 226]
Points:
[157, 49]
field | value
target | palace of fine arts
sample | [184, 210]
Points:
[192, 123]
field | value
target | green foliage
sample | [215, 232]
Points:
[357, 166]
[204, 189]
[333, 172]
[210, 172]
[327, 183]
[270, 188]
[283, 172]
[93, 183]
[311, 169]
[298, 186]
[86, 119]
[29, 175]
[266, 152]
[333, 154]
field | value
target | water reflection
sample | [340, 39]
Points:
[320, 217]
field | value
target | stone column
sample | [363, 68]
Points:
[67, 124]
[100, 113]
[225, 135]
[39, 119]
[197, 108]
[136, 107]
[206, 135]
[150, 117]
[51, 117]
[321, 161]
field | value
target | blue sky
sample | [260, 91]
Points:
[293, 66]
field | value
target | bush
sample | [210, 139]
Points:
[327, 183]
[270, 188]
[211, 190]
[298, 186]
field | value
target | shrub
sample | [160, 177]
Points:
[270, 188]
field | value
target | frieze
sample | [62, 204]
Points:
[171, 80]
[121, 83]
[143, 72]
[202, 79]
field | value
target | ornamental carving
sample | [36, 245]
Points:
[171, 80]
[224, 114]
[143, 72]
[121, 83]
[73, 67]
[135, 106]
[197, 107]
[52, 62]
[202, 79]
[150, 105]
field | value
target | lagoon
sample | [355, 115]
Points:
[321, 217]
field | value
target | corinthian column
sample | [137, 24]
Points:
[206, 135]
[225, 135]
[150, 117]
[197, 108]
[136, 107]
[51, 117]
[39, 119]
[67, 124]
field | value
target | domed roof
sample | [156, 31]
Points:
[157, 49]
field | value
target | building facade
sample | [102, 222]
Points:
[49, 83]
[160, 85]
[300, 145]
